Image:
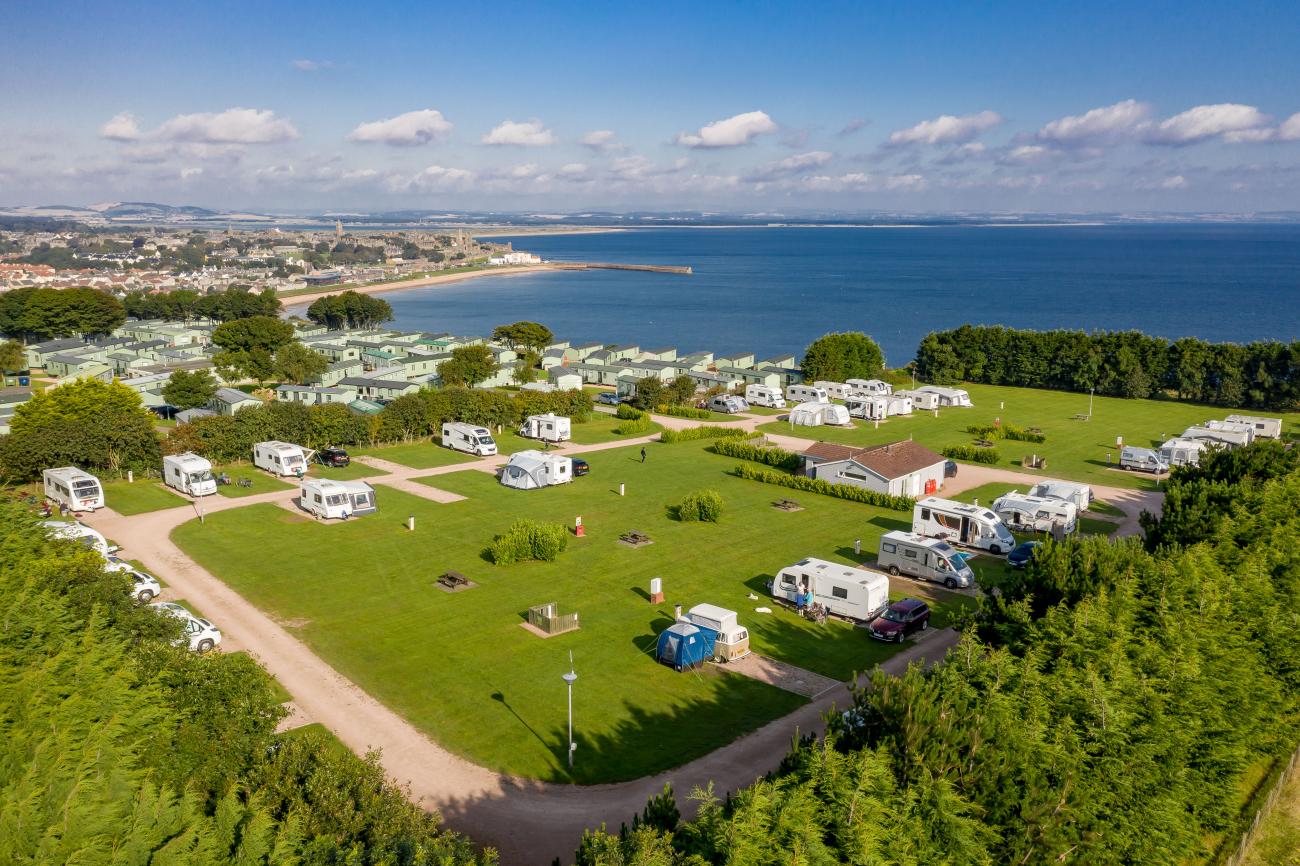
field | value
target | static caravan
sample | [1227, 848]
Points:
[925, 558]
[922, 400]
[948, 396]
[806, 394]
[1265, 428]
[336, 500]
[899, 404]
[728, 404]
[834, 390]
[73, 488]
[854, 593]
[529, 470]
[732, 639]
[869, 387]
[870, 408]
[548, 428]
[961, 523]
[762, 395]
[189, 473]
[1035, 513]
[1067, 491]
[817, 414]
[1184, 452]
[469, 438]
[1143, 460]
[283, 459]
[80, 533]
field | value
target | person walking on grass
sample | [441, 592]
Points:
[642, 453]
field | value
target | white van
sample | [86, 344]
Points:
[81, 533]
[189, 473]
[762, 395]
[925, 558]
[548, 428]
[1265, 428]
[282, 458]
[468, 438]
[806, 394]
[1185, 452]
[1142, 460]
[853, 593]
[73, 488]
[1066, 491]
[961, 523]
[1025, 513]
[732, 641]
[869, 387]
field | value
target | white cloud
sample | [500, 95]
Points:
[1026, 153]
[1290, 128]
[731, 132]
[575, 171]
[190, 171]
[1097, 124]
[964, 153]
[946, 129]
[435, 178]
[312, 65]
[602, 140]
[791, 165]
[528, 134]
[1172, 182]
[858, 181]
[1227, 119]
[121, 127]
[232, 126]
[405, 130]
[638, 167]
[853, 126]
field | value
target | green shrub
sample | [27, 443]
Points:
[528, 540]
[778, 457]
[826, 488]
[702, 505]
[1006, 431]
[971, 454]
[691, 433]
[684, 412]
[628, 413]
[636, 425]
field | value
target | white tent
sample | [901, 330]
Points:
[815, 414]
[529, 470]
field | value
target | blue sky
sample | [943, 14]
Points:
[749, 107]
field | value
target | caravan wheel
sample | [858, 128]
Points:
[893, 569]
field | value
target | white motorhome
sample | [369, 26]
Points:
[1026, 513]
[870, 408]
[854, 593]
[869, 387]
[529, 470]
[81, 533]
[1265, 428]
[925, 558]
[922, 400]
[899, 404]
[283, 459]
[960, 523]
[189, 473]
[732, 641]
[817, 414]
[1067, 491]
[469, 438]
[1184, 452]
[948, 396]
[73, 488]
[548, 428]
[1143, 460]
[806, 394]
[335, 500]
[763, 395]
[834, 390]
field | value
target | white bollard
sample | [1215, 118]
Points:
[857, 547]
[620, 490]
[130, 476]
[410, 523]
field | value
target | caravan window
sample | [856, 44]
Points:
[888, 548]
[839, 592]
[925, 514]
[948, 521]
[787, 582]
[336, 499]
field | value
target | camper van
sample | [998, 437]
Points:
[869, 387]
[548, 428]
[335, 500]
[732, 641]
[870, 408]
[948, 396]
[806, 394]
[961, 523]
[1265, 428]
[728, 404]
[529, 470]
[922, 400]
[189, 473]
[1025, 513]
[74, 489]
[1067, 491]
[834, 390]
[459, 436]
[762, 395]
[1224, 432]
[283, 459]
[1185, 452]
[853, 593]
[1142, 460]
[82, 534]
[924, 558]
[817, 414]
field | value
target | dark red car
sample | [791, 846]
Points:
[901, 619]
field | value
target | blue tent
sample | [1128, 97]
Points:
[684, 645]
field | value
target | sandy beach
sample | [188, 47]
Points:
[294, 301]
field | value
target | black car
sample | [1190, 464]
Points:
[333, 457]
[950, 469]
[580, 467]
[1023, 554]
[901, 619]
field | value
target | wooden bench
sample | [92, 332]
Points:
[1082, 416]
[453, 579]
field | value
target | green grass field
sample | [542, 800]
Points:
[460, 666]
[139, 497]
[417, 455]
[350, 472]
[1075, 450]
[263, 482]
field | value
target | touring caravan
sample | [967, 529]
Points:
[763, 395]
[732, 640]
[189, 473]
[80, 533]
[1067, 491]
[817, 414]
[899, 404]
[1026, 513]
[469, 438]
[1184, 452]
[922, 400]
[74, 489]
[853, 593]
[1265, 428]
[834, 390]
[283, 459]
[1143, 460]
[336, 500]
[548, 428]
[529, 470]
[806, 394]
[728, 404]
[870, 408]
[869, 387]
[1229, 433]
[961, 523]
[925, 558]
[948, 396]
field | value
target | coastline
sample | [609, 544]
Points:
[294, 301]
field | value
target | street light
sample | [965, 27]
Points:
[1090, 393]
[570, 678]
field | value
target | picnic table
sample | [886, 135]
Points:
[634, 537]
[453, 579]
[787, 504]
[983, 443]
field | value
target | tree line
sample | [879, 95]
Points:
[350, 310]
[33, 313]
[184, 305]
[1264, 374]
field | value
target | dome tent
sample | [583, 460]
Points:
[684, 645]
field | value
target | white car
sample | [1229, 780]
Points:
[200, 634]
[144, 587]
[113, 563]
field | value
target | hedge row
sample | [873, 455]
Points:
[691, 433]
[778, 457]
[527, 540]
[683, 412]
[702, 505]
[826, 488]
[1006, 431]
[971, 454]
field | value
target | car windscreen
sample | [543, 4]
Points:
[893, 615]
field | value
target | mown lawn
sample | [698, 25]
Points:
[262, 481]
[1075, 450]
[350, 472]
[461, 668]
[417, 455]
[139, 497]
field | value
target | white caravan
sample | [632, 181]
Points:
[469, 438]
[548, 428]
[73, 488]
[869, 387]
[732, 641]
[1265, 428]
[189, 473]
[1067, 491]
[762, 395]
[854, 593]
[82, 534]
[923, 400]
[529, 470]
[948, 396]
[282, 458]
[1216, 436]
[1026, 513]
[870, 408]
[817, 414]
[1230, 432]
[335, 500]
[899, 404]
[925, 558]
[1184, 452]
[960, 523]
[1143, 460]
[806, 394]
[834, 390]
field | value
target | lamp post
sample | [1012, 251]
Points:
[569, 679]
[1090, 393]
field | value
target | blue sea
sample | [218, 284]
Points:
[773, 290]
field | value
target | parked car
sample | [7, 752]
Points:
[113, 563]
[950, 469]
[333, 457]
[609, 398]
[580, 466]
[1023, 554]
[144, 587]
[901, 619]
[197, 633]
